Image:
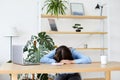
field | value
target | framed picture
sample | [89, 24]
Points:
[52, 25]
[77, 9]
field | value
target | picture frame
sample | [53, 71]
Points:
[52, 24]
[77, 9]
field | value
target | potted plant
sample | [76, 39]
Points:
[55, 7]
[38, 46]
[78, 27]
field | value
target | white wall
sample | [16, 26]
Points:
[114, 22]
[21, 14]
[114, 29]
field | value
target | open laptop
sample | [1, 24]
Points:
[18, 56]
[52, 24]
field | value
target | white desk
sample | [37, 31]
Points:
[14, 69]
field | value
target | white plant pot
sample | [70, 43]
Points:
[103, 59]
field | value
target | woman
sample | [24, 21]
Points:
[66, 55]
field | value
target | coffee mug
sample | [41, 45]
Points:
[103, 59]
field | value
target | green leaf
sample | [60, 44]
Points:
[55, 7]
[44, 44]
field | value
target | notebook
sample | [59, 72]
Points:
[52, 24]
[18, 57]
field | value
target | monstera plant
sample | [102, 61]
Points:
[36, 47]
[55, 7]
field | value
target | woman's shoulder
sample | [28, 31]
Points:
[72, 49]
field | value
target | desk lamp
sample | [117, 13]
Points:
[98, 6]
[12, 32]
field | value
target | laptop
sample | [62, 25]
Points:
[18, 56]
[52, 24]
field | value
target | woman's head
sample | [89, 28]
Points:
[63, 53]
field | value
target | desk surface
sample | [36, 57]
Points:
[48, 68]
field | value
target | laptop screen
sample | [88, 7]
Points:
[18, 56]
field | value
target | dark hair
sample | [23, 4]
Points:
[63, 53]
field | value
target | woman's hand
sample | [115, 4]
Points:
[67, 61]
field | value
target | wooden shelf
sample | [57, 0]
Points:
[91, 48]
[56, 32]
[74, 17]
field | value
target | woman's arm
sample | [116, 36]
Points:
[48, 58]
[79, 57]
